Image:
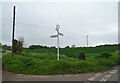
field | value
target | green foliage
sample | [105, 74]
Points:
[46, 63]
[73, 52]
[37, 47]
[104, 55]
[5, 47]
[119, 58]
[0, 45]
[43, 60]
[18, 45]
[3, 51]
[67, 47]
[73, 46]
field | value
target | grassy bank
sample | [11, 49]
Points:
[46, 63]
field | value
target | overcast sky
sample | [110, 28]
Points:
[36, 22]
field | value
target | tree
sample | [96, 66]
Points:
[73, 46]
[52, 47]
[37, 46]
[5, 47]
[18, 45]
[67, 47]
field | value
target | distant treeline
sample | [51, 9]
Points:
[6, 47]
[41, 46]
[107, 45]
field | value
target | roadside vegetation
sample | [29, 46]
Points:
[43, 61]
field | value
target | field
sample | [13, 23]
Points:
[73, 52]
[43, 61]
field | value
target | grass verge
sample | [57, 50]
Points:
[46, 63]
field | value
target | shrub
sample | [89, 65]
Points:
[103, 55]
[18, 45]
[3, 51]
[106, 54]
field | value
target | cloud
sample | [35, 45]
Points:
[36, 22]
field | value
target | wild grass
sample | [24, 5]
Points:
[46, 63]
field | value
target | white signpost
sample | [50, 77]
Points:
[53, 36]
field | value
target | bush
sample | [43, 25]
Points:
[3, 51]
[106, 54]
[103, 55]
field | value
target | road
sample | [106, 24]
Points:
[111, 75]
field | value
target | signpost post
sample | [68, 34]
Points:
[58, 34]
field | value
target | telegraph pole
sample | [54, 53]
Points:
[87, 41]
[13, 31]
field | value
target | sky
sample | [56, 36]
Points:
[36, 22]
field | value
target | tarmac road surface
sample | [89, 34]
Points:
[111, 75]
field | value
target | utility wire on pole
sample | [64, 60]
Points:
[13, 48]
